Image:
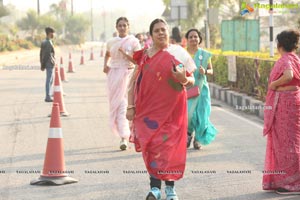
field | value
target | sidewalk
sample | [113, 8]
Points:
[238, 101]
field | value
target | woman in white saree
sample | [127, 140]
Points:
[119, 65]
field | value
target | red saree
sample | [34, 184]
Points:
[160, 122]
[282, 126]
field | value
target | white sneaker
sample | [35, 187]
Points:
[123, 144]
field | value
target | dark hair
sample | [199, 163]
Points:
[155, 22]
[288, 40]
[137, 35]
[176, 34]
[196, 30]
[49, 30]
[122, 18]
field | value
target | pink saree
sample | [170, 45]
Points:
[282, 126]
[160, 123]
[117, 82]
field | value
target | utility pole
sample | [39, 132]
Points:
[92, 26]
[271, 29]
[179, 15]
[104, 21]
[38, 7]
[207, 35]
[72, 7]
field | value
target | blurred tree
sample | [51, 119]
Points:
[13, 30]
[46, 20]
[76, 27]
[196, 10]
[197, 13]
[30, 23]
[3, 11]
[59, 10]
[288, 16]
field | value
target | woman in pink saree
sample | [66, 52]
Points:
[282, 119]
[119, 65]
[158, 108]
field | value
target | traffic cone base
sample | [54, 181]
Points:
[53, 180]
[63, 114]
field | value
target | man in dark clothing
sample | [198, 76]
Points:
[47, 59]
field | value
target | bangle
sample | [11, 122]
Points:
[130, 107]
[186, 82]
[205, 71]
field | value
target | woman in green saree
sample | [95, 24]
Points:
[199, 107]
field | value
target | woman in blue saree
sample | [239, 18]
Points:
[199, 107]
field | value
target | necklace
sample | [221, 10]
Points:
[192, 51]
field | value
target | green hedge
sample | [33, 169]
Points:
[252, 75]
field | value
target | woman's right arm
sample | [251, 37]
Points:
[131, 106]
[106, 59]
[286, 77]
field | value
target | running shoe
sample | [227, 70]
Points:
[154, 194]
[170, 192]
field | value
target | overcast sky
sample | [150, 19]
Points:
[133, 8]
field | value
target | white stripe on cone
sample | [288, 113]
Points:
[57, 89]
[55, 133]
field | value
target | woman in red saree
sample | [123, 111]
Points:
[282, 119]
[159, 109]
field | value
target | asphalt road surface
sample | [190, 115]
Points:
[228, 169]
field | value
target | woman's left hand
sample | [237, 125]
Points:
[272, 86]
[130, 114]
[179, 74]
[122, 51]
[201, 70]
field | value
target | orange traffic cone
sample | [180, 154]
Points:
[70, 68]
[82, 58]
[54, 171]
[92, 54]
[62, 71]
[58, 97]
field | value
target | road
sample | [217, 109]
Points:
[228, 169]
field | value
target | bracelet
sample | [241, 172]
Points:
[130, 107]
[186, 82]
[205, 71]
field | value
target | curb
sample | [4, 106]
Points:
[241, 102]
